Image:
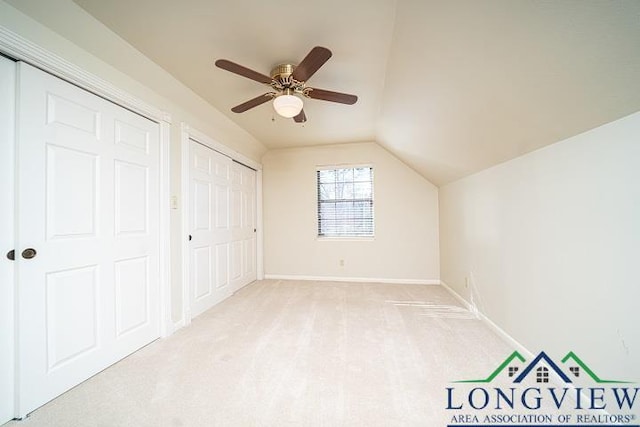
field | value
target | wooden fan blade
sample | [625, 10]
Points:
[253, 102]
[327, 95]
[242, 71]
[301, 117]
[311, 63]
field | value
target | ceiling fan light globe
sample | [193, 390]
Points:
[287, 105]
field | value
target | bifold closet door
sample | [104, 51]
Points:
[209, 227]
[7, 284]
[87, 235]
[243, 213]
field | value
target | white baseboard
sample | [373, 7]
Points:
[495, 328]
[457, 296]
[178, 325]
[353, 279]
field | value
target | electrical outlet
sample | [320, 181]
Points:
[341, 263]
[174, 202]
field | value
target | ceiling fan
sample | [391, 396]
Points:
[288, 82]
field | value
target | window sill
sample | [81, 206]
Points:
[345, 238]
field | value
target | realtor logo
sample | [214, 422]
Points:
[543, 392]
[542, 364]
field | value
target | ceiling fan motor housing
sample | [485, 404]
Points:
[282, 72]
[282, 80]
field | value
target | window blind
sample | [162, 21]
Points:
[345, 202]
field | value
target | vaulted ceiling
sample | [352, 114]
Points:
[449, 86]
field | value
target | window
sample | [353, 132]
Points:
[575, 370]
[542, 375]
[345, 202]
[513, 370]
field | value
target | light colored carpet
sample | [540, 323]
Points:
[288, 353]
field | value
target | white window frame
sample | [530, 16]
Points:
[346, 166]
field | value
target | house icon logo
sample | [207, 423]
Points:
[568, 371]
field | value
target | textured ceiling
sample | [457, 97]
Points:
[450, 87]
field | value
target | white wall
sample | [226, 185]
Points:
[551, 243]
[66, 30]
[406, 218]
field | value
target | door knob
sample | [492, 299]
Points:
[11, 254]
[29, 253]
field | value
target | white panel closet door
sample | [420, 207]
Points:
[243, 212]
[89, 205]
[209, 225]
[7, 124]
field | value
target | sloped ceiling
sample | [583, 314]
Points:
[450, 87]
[470, 84]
